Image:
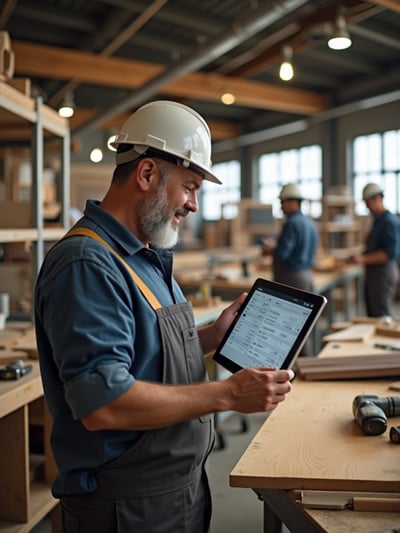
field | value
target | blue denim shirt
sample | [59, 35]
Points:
[297, 244]
[96, 334]
[385, 235]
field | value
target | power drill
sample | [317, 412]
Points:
[371, 412]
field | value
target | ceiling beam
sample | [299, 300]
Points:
[202, 86]
[375, 36]
[220, 129]
[20, 131]
[63, 64]
[45, 61]
[394, 5]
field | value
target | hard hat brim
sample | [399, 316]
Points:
[143, 150]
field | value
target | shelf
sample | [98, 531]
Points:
[41, 503]
[18, 107]
[30, 234]
[16, 394]
[22, 503]
[339, 227]
[337, 200]
[340, 231]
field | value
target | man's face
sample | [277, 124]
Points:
[289, 206]
[174, 198]
[374, 203]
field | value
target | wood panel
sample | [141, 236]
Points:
[349, 367]
[311, 441]
[14, 466]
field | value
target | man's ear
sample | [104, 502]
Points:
[147, 172]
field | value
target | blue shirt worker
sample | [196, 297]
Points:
[121, 360]
[380, 256]
[295, 249]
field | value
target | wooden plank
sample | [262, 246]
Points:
[356, 333]
[17, 103]
[41, 502]
[14, 466]
[388, 331]
[311, 441]
[208, 86]
[37, 59]
[350, 367]
[62, 63]
[15, 394]
[9, 356]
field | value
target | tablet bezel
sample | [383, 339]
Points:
[318, 300]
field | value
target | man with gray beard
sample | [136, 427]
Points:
[122, 362]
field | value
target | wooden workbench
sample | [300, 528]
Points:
[311, 441]
[24, 496]
[228, 281]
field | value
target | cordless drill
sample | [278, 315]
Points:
[371, 412]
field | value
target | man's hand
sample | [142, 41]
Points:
[211, 336]
[259, 389]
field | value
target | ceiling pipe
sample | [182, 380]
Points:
[301, 125]
[227, 41]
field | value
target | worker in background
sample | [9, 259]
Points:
[380, 256]
[295, 249]
[121, 360]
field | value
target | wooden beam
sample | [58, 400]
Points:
[62, 64]
[394, 5]
[248, 93]
[19, 130]
[58, 63]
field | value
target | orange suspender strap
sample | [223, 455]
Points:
[155, 304]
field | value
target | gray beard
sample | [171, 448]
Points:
[155, 219]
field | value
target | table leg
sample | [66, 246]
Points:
[279, 508]
[272, 523]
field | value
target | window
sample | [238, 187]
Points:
[299, 165]
[376, 158]
[218, 198]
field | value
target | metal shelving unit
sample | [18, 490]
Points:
[27, 120]
[23, 502]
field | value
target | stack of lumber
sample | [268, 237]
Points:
[349, 367]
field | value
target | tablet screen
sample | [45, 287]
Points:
[271, 327]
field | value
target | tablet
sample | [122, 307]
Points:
[270, 328]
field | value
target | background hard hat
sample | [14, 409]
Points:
[370, 190]
[169, 127]
[291, 191]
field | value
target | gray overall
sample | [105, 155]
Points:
[380, 284]
[160, 485]
[301, 280]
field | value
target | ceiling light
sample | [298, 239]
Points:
[286, 71]
[228, 98]
[67, 108]
[340, 39]
[96, 155]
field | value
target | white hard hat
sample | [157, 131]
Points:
[291, 191]
[370, 190]
[170, 128]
